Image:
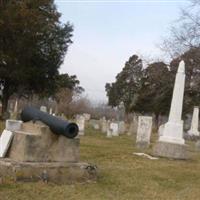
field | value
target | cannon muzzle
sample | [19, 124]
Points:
[56, 125]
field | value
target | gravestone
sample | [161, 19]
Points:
[80, 120]
[104, 125]
[195, 123]
[87, 116]
[5, 140]
[122, 127]
[144, 131]
[43, 108]
[133, 126]
[51, 111]
[114, 127]
[160, 129]
[13, 125]
[171, 143]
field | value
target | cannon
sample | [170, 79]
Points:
[56, 125]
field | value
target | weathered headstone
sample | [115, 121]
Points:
[43, 108]
[122, 127]
[50, 111]
[171, 143]
[115, 129]
[144, 131]
[195, 122]
[104, 125]
[96, 126]
[87, 116]
[13, 125]
[5, 140]
[133, 126]
[160, 129]
[80, 120]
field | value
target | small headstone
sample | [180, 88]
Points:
[5, 140]
[195, 122]
[43, 108]
[144, 131]
[121, 127]
[109, 133]
[160, 129]
[115, 129]
[104, 125]
[96, 126]
[80, 120]
[87, 116]
[50, 111]
[13, 125]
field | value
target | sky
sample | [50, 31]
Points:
[107, 32]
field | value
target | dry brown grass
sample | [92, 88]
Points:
[123, 176]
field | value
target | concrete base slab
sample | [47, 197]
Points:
[56, 172]
[170, 150]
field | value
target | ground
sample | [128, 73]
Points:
[123, 176]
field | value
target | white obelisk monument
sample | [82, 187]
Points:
[171, 142]
[195, 122]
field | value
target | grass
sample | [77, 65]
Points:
[123, 176]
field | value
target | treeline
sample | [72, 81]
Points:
[33, 44]
[149, 89]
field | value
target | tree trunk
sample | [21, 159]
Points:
[156, 120]
[5, 99]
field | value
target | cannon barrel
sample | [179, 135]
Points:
[56, 125]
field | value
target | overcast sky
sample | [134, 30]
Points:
[107, 33]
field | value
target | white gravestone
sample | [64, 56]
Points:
[160, 129]
[144, 131]
[43, 108]
[195, 122]
[51, 111]
[87, 116]
[96, 126]
[171, 142]
[5, 141]
[108, 131]
[115, 129]
[121, 127]
[80, 120]
[13, 125]
[104, 125]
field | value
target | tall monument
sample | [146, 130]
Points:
[171, 143]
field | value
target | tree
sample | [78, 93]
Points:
[156, 88]
[127, 83]
[33, 43]
[185, 33]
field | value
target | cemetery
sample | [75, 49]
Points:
[80, 121]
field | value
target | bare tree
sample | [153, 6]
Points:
[185, 33]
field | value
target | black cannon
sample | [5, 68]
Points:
[57, 125]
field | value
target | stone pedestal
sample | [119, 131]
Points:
[38, 154]
[56, 172]
[36, 143]
[170, 150]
